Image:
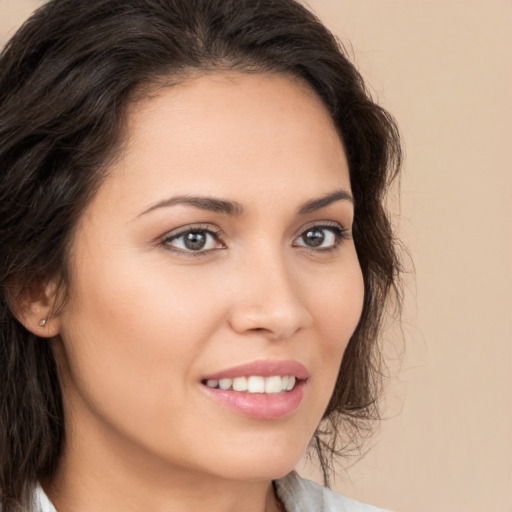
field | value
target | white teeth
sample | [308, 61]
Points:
[225, 383]
[240, 384]
[255, 384]
[291, 383]
[273, 385]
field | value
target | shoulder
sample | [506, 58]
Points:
[300, 495]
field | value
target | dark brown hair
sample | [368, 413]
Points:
[66, 79]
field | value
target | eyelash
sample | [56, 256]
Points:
[338, 231]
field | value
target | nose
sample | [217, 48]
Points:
[269, 300]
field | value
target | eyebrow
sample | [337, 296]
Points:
[322, 202]
[235, 209]
[210, 204]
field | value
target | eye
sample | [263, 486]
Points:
[193, 240]
[321, 237]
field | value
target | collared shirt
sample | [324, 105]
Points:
[296, 494]
[300, 495]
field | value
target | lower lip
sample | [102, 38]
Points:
[263, 406]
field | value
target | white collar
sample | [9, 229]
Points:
[41, 502]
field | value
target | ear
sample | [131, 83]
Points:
[34, 308]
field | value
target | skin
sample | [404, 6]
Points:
[146, 320]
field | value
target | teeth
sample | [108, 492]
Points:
[273, 385]
[255, 384]
[240, 384]
[225, 383]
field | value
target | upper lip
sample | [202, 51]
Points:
[262, 369]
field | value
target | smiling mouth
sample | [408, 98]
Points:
[273, 384]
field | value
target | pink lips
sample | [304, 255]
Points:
[263, 369]
[261, 405]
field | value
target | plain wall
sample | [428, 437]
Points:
[443, 68]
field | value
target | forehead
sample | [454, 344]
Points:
[231, 133]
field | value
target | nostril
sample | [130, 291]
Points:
[276, 316]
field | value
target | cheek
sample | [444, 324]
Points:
[121, 321]
[338, 314]
[339, 310]
[337, 306]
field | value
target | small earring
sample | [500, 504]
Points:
[42, 322]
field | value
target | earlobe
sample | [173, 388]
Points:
[34, 308]
[46, 327]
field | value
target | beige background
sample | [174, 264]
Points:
[443, 67]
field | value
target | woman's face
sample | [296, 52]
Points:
[217, 253]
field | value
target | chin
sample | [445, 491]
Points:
[261, 461]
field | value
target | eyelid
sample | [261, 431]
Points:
[323, 224]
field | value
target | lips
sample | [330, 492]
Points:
[263, 369]
[263, 389]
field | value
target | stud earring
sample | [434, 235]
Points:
[42, 322]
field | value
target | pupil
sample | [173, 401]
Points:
[195, 241]
[314, 238]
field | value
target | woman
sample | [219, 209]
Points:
[195, 256]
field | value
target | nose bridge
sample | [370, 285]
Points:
[269, 296]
